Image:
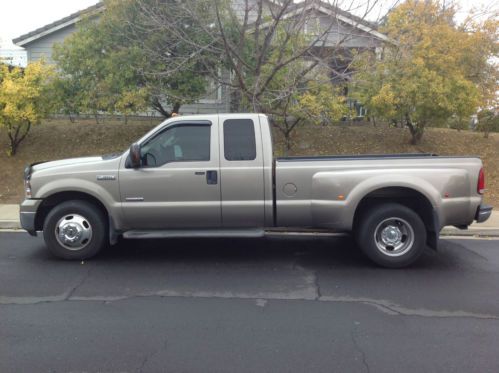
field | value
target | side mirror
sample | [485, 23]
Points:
[135, 156]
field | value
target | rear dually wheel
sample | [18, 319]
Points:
[391, 235]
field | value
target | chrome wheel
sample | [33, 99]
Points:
[394, 237]
[74, 232]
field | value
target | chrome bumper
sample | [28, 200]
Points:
[483, 213]
[27, 215]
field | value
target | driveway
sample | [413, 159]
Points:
[254, 305]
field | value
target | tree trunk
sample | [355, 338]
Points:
[176, 108]
[235, 101]
[156, 104]
[416, 130]
[287, 137]
[16, 136]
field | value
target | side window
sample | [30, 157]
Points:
[239, 140]
[181, 143]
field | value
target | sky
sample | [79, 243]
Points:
[18, 17]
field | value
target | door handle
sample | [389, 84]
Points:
[199, 173]
[211, 177]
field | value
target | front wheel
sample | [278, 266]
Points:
[391, 235]
[75, 230]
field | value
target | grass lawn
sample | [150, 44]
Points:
[57, 139]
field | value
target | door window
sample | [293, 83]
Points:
[181, 143]
[239, 140]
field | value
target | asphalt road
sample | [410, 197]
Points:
[261, 305]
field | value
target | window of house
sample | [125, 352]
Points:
[213, 91]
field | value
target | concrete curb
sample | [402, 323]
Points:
[10, 224]
[486, 232]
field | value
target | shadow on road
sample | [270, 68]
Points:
[314, 252]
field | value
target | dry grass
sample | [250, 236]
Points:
[61, 139]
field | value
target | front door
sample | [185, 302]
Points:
[178, 185]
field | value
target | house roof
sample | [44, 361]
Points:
[57, 25]
[341, 15]
[319, 5]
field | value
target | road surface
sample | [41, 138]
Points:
[254, 305]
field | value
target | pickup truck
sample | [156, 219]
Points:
[216, 176]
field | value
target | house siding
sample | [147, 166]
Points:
[346, 35]
[44, 47]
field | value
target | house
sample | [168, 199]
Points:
[355, 34]
[39, 43]
[13, 57]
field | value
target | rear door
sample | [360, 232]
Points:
[241, 170]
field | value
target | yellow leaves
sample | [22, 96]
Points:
[438, 70]
[385, 99]
[22, 95]
[132, 101]
[322, 103]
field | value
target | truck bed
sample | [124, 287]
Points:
[324, 191]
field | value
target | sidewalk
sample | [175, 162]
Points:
[9, 219]
[488, 228]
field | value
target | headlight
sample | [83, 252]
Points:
[27, 188]
[27, 181]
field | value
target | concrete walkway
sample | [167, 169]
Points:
[9, 219]
[488, 228]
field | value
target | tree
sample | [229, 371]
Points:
[67, 96]
[318, 103]
[428, 74]
[24, 100]
[270, 49]
[488, 121]
[117, 63]
[322, 103]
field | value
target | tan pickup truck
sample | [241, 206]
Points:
[216, 176]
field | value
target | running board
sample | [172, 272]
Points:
[199, 233]
[228, 233]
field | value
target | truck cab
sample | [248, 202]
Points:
[193, 173]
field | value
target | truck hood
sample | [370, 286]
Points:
[69, 162]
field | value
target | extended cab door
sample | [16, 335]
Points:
[178, 185]
[241, 169]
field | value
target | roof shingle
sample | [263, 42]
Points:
[32, 35]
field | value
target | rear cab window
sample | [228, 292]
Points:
[239, 140]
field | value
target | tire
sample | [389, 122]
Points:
[86, 229]
[391, 235]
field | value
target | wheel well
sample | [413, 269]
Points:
[50, 202]
[408, 197]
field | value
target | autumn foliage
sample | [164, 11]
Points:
[24, 101]
[432, 70]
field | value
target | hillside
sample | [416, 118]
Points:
[56, 139]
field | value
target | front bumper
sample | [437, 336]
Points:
[483, 213]
[27, 214]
